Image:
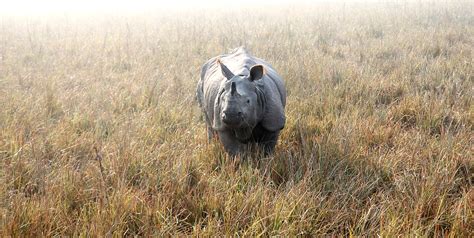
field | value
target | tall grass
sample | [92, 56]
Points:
[100, 133]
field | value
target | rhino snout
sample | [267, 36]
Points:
[232, 118]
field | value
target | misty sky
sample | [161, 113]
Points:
[33, 7]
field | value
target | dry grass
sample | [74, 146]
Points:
[100, 133]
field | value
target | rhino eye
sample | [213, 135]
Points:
[248, 101]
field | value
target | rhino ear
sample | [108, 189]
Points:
[225, 71]
[256, 72]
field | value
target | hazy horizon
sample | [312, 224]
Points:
[51, 7]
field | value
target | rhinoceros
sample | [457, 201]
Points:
[243, 100]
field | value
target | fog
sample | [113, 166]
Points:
[47, 7]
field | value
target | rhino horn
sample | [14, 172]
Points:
[233, 89]
[225, 71]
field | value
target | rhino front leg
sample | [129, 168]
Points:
[268, 141]
[230, 142]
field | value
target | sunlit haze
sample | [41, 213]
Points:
[34, 7]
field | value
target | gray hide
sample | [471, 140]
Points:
[243, 100]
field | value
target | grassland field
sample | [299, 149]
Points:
[100, 133]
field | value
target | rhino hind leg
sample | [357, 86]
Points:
[210, 133]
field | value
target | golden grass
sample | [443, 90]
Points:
[100, 133]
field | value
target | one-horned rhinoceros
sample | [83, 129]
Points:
[243, 99]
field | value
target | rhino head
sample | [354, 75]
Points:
[240, 101]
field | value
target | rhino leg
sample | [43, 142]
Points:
[265, 139]
[210, 133]
[230, 142]
[268, 141]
